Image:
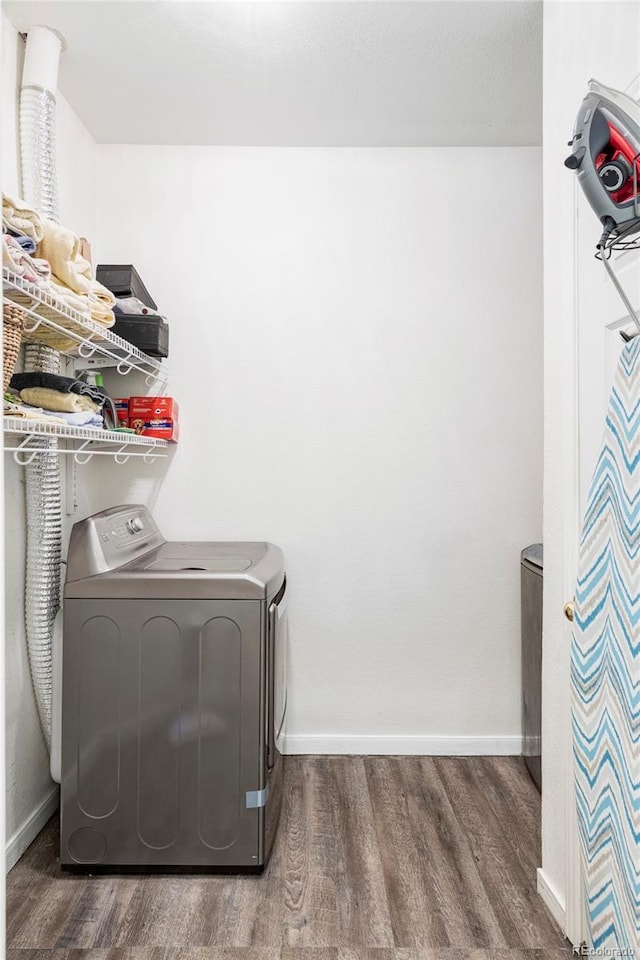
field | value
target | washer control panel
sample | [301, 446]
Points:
[125, 531]
[110, 539]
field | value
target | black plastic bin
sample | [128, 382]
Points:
[148, 333]
[124, 281]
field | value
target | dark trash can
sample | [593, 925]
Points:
[531, 575]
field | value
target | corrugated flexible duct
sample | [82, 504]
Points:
[43, 491]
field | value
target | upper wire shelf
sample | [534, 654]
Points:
[91, 441]
[92, 341]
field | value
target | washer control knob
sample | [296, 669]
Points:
[135, 525]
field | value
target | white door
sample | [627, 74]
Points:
[601, 318]
[583, 316]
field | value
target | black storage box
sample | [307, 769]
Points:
[149, 334]
[124, 281]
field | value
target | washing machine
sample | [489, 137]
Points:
[173, 698]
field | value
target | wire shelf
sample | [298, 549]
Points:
[619, 243]
[52, 319]
[90, 441]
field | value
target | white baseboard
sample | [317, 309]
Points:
[551, 899]
[26, 834]
[413, 746]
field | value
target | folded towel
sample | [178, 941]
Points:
[84, 418]
[9, 258]
[102, 301]
[61, 247]
[16, 259]
[18, 215]
[73, 300]
[57, 401]
[52, 381]
[37, 378]
[29, 413]
[86, 403]
[96, 305]
[27, 244]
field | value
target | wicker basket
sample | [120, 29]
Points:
[13, 319]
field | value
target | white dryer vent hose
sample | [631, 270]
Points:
[43, 490]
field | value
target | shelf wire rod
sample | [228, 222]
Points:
[17, 451]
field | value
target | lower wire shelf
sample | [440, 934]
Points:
[82, 443]
[54, 323]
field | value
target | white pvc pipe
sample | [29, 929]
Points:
[38, 120]
[42, 59]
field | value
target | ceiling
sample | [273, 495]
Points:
[333, 73]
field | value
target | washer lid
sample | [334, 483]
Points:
[186, 570]
[120, 552]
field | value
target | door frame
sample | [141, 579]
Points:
[574, 911]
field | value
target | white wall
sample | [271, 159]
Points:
[356, 344]
[28, 785]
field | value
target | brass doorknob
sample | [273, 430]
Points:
[568, 610]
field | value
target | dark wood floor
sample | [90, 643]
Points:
[377, 858]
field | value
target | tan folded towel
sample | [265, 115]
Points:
[106, 298]
[102, 301]
[86, 403]
[101, 313]
[105, 318]
[97, 305]
[19, 216]
[61, 247]
[57, 401]
[73, 300]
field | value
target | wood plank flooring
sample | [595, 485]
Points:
[377, 858]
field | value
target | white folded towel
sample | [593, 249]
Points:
[19, 216]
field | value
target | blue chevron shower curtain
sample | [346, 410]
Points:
[606, 675]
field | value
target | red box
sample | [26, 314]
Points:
[154, 417]
[153, 408]
[122, 410]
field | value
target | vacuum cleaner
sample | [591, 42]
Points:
[605, 154]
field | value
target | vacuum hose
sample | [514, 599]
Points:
[43, 488]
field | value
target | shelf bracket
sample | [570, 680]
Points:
[124, 367]
[33, 327]
[23, 448]
[82, 455]
[85, 353]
